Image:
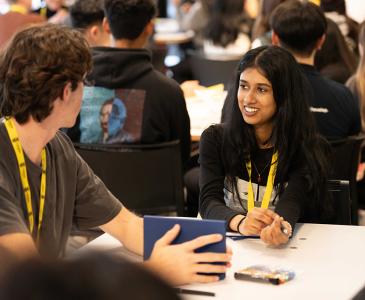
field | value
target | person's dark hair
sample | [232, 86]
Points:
[299, 26]
[84, 13]
[225, 22]
[128, 18]
[262, 25]
[93, 277]
[335, 51]
[294, 135]
[36, 66]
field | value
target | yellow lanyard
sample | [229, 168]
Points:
[43, 12]
[19, 9]
[269, 184]
[9, 124]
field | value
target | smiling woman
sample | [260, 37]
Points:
[265, 168]
[256, 102]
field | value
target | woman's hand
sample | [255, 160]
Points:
[256, 220]
[179, 264]
[273, 234]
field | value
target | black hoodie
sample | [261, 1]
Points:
[165, 117]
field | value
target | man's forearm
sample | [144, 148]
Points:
[128, 229]
[20, 245]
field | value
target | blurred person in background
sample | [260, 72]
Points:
[336, 11]
[356, 84]
[88, 16]
[193, 16]
[335, 60]
[261, 34]
[226, 36]
[357, 81]
[300, 27]
[19, 16]
[54, 11]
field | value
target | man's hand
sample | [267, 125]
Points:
[179, 264]
[273, 235]
[256, 220]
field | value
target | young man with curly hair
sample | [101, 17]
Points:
[45, 186]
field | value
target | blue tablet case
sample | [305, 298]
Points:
[190, 228]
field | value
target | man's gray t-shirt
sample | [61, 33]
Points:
[74, 194]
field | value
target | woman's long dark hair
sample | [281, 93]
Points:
[294, 134]
[336, 50]
[225, 22]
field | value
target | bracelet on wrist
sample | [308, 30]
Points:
[239, 224]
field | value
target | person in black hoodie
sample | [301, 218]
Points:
[155, 105]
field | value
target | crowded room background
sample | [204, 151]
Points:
[247, 112]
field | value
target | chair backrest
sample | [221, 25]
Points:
[345, 161]
[210, 72]
[340, 192]
[147, 179]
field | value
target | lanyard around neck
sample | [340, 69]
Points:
[43, 12]
[9, 124]
[269, 184]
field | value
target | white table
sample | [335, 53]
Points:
[167, 32]
[204, 109]
[329, 262]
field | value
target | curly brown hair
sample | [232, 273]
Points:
[35, 67]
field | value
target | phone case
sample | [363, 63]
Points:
[265, 274]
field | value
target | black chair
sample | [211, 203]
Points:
[340, 192]
[345, 161]
[146, 178]
[209, 72]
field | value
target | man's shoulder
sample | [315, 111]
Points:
[61, 144]
[336, 86]
[170, 84]
[322, 85]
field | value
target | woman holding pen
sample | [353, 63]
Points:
[265, 168]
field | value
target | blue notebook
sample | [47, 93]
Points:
[190, 228]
